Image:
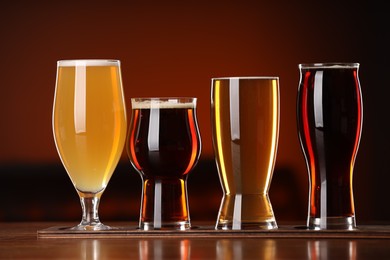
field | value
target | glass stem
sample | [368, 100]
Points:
[90, 206]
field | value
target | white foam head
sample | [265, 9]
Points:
[139, 103]
[73, 63]
[329, 65]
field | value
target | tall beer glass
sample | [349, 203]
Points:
[89, 126]
[163, 146]
[330, 116]
[245, 129]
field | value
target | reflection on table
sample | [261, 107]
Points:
[19, 240]
[223, 249]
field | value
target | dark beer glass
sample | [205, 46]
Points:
[163, 146]
[330, 116]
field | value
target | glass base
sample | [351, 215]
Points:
[91, 227]
[269, 224]
[181, 225]
[246, 211]
[342, 223]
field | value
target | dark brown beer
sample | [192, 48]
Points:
[329, 113]
[164, 145]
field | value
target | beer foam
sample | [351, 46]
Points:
[328, 65]
[72, 63]
[157, 103]
[247, 77]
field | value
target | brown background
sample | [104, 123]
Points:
[174, 48]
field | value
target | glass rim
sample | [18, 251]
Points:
[168, 99]
[88, 62]
[163, 102]
[328, 65]
[246, 77]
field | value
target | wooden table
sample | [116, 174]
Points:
[46, 240]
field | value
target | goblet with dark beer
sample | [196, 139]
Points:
[164, 146]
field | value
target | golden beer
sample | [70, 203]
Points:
[245, 120]
[89, 122]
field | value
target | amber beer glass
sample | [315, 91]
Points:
[330, 116]
[164, 146]
[245, 130]
[89, 126]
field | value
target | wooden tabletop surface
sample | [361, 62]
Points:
[48, 240]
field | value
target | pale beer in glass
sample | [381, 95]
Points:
[245, 129]
[89, 126]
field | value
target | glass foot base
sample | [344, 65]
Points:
[91, 227]
[181, 225]
[268, 225]
[246, 211]
[343, 223]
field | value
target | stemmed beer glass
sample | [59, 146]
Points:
[89, 127]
